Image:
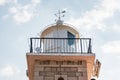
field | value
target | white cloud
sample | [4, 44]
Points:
[13, 9]
[116, 27]
[9, 70]
[23, 17]
[111, 47]
[94, 19]
[23, 13]
[2, 2]
[35, 2]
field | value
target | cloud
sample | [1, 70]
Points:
[9, 70]
[116, 27]
[23, 13]
[35, 2]
[94, 19]
[111, 47]
[2, 2]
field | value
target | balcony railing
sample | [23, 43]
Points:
[60, 45]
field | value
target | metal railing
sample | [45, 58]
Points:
[60, 45]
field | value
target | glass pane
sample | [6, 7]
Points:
[71, 39]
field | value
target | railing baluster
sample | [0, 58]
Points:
[60, 45]
[40, 46]
[31, 47]
[89, 48]
[75, 45]
[81, 45]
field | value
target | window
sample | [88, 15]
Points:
[60, 78]
[71, 39]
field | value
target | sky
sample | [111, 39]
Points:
[22, 19]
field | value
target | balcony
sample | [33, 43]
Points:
[60, 45]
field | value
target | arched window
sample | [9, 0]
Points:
[93, 79]
[60, 78]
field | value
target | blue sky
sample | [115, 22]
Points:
[22, 19]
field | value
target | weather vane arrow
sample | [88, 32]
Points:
[59, 15]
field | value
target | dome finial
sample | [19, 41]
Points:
[59, 15]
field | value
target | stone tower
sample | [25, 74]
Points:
[61, 54]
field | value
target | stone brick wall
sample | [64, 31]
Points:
[52, 70]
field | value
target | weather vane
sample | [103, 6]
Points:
[59, 15]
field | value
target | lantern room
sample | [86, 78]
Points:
[60, 38]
